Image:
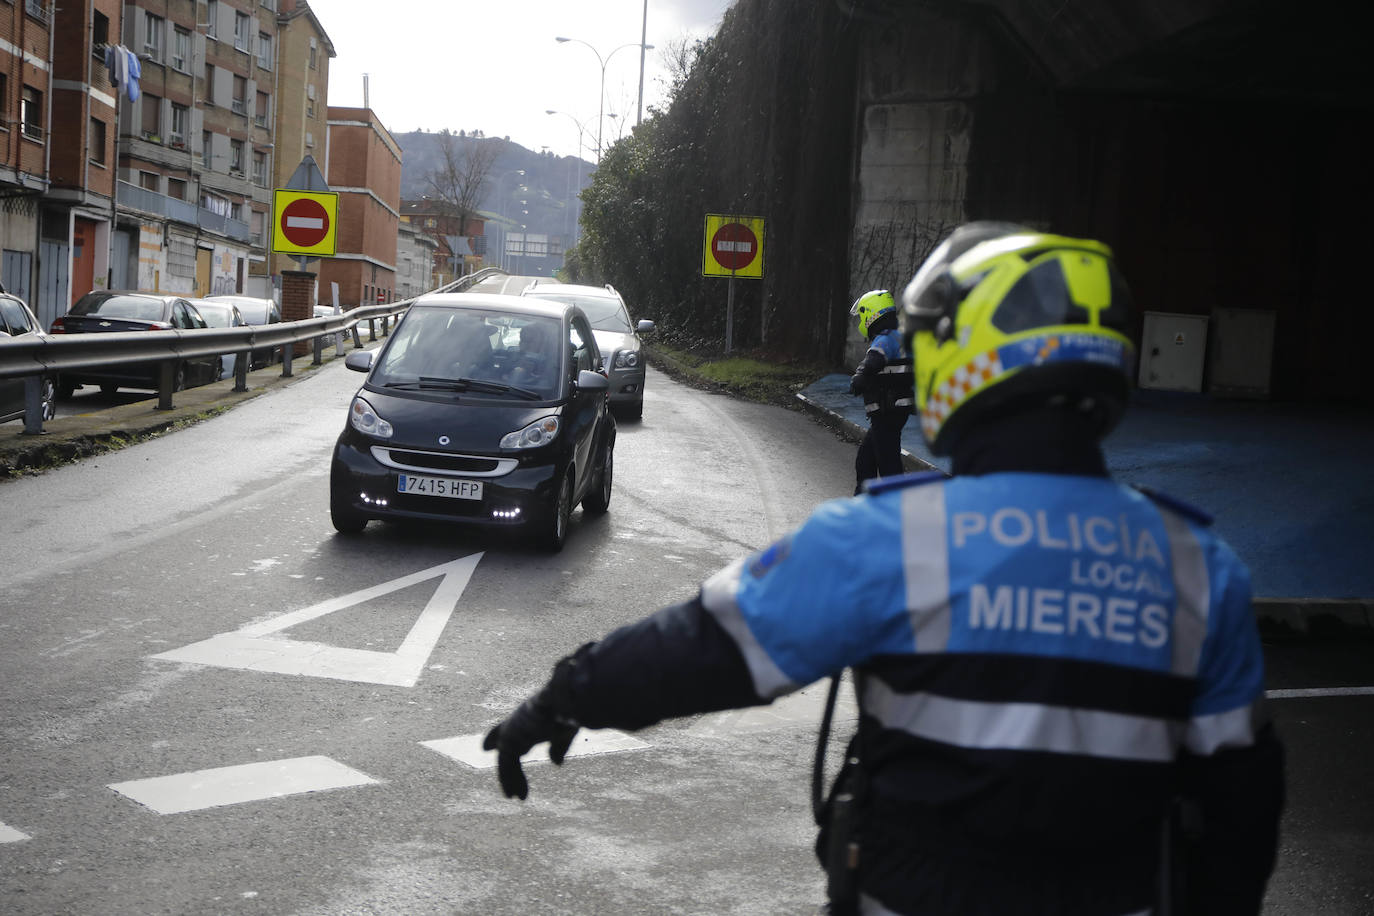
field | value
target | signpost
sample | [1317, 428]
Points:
[733, 248]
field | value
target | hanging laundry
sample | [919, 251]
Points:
[135, 72]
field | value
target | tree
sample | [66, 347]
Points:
[460, 179]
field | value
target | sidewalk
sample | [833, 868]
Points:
[1291, 487]
[75, 437]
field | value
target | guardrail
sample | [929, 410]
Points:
[34, 356]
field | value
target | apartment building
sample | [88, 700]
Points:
[414, 261]
[364, 169]
[195, 146]
[57, 149]
[461, 243]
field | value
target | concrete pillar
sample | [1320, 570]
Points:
[297, 301]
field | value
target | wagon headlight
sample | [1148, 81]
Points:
[626, 359]
[365, 420]
[540, 432]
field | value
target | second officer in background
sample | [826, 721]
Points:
[883, 378]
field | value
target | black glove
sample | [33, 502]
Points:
[532, 722]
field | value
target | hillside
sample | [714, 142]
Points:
[551, 181]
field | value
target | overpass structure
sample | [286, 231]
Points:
[1216, 145]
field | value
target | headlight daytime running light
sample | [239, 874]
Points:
[626, 359]
[366, 421]
[540, 432]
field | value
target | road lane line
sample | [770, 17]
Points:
[233, 785]
[1302, 693]
[467, 749]
[9, 835]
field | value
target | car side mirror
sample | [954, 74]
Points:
[359, 360]
[644, 326]
[588, 380]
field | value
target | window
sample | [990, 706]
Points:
[4, 97]
[209, 84]
[264, 51]
[31, 113]
[176, 187]
[214, 203]
[257, 226]
[37, 9]
[100, 34]
[236, 155]
[242, 31]
[211, 19]
[150, 180]
[310, 108]
[260, 168]
[240, 104]
[96, 141]
[236, 210]
[181, 119]
[309, 139]
[154, 28]
[312, 54]
[207, 148]
[152, 117]
[181, 48]
[264, 110]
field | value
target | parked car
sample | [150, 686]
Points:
[18, 320]
[112, 310]
[256, 311]
[220, 314]
[616, 336]
[483, 410]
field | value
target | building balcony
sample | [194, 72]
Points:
[181, 211]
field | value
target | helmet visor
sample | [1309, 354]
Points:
[1042, 298]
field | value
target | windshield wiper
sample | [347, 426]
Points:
[426, 382]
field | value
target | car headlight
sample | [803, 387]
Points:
[540, 432]
[365, 420]
[626, 359]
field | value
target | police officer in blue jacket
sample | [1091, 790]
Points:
[1046, 660]
[883, 379]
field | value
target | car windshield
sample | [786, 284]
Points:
[473, 352]
[216, 316]
[604, 312]
[116, 306]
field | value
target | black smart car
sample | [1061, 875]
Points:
[484, 410]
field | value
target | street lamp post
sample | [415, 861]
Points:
[601, 96]
[501, 211]
[581, 130]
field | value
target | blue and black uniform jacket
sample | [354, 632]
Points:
[1044, 661]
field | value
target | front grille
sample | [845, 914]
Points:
[444, 462]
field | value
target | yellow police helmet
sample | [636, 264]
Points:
[1000, 317]
[871, 306]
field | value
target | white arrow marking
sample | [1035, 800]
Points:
[254, 648]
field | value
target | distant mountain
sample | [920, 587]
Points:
[548, 186]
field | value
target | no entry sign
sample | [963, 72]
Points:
[304, 222]
[734, 246]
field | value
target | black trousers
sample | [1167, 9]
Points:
[880, 452]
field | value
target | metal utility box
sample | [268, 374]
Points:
[1173, 350]
[1242, 352]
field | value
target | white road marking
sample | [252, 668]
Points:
[234, 785]
[468, 748]
[254, 648]
[1302, 693]
[9, 835]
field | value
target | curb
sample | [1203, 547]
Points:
[1279, 618]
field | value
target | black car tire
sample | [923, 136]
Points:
[598, 498]
[346, 520]
[179, 377]
[555, 532]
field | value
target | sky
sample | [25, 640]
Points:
[495, 66]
